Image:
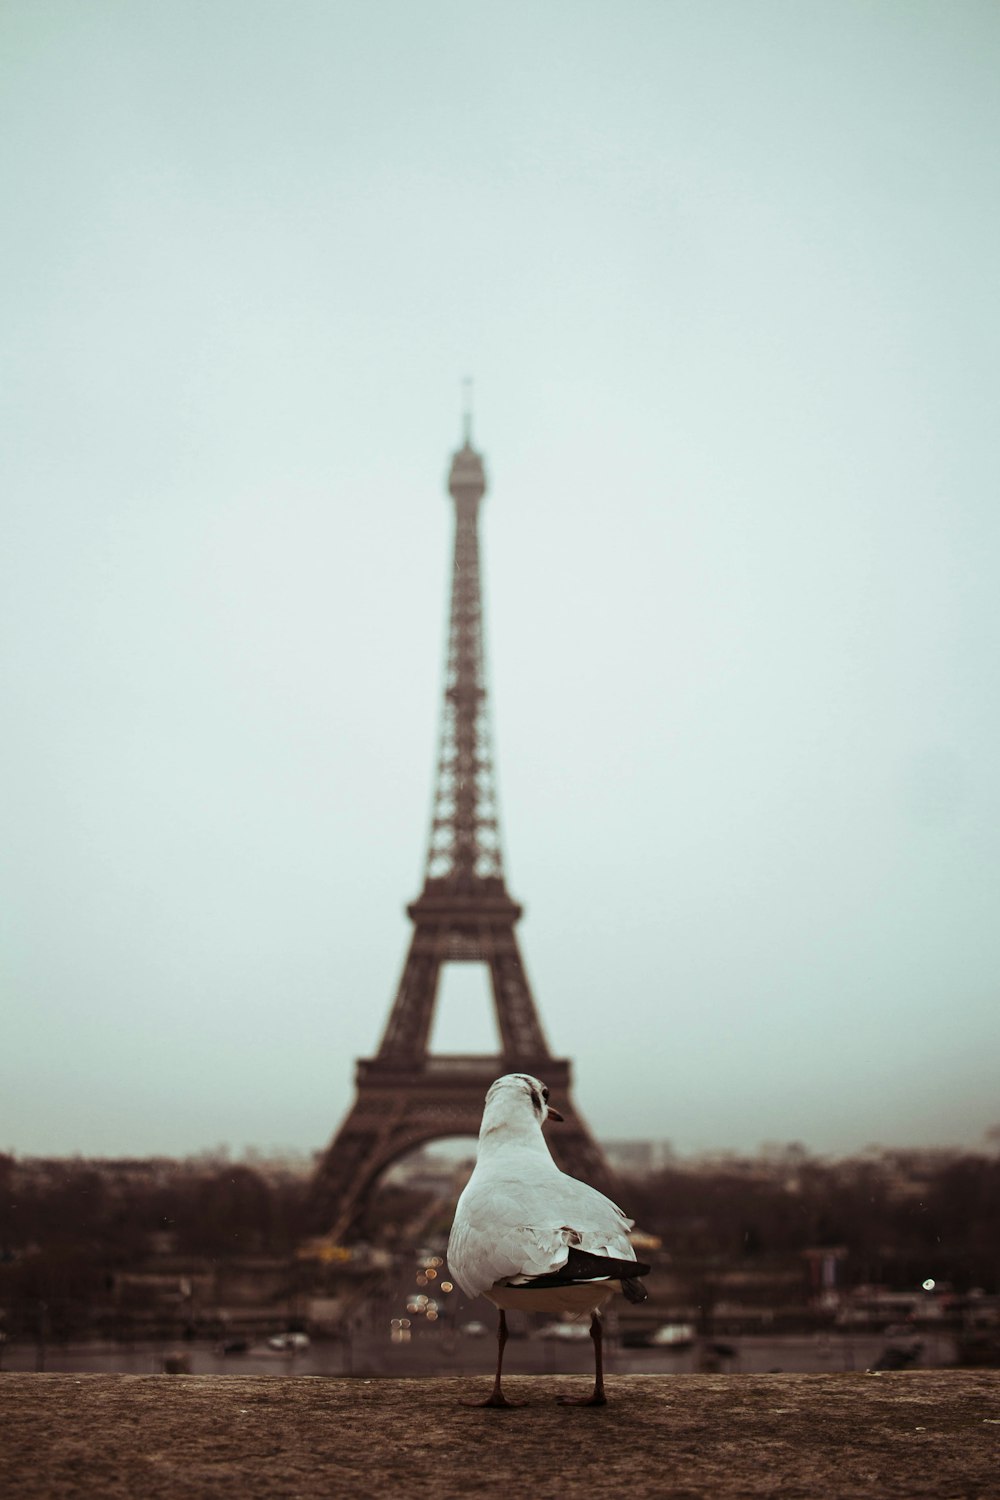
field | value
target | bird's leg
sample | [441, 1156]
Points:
[597, 1334]
[598, 1398]
[496, 1396]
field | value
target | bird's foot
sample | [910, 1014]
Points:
[597, 1399]
[497, 1399]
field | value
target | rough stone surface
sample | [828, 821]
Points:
[909, 1435]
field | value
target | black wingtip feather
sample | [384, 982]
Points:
[581, 1265]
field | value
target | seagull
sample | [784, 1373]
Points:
[528, 1236]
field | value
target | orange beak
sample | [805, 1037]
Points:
[554, 1114]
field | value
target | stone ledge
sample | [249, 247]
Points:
[700, 1437]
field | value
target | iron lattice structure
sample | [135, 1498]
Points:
[407, 1096]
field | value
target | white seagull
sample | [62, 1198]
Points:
[527, 1236]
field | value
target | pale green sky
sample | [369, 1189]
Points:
[726, 276]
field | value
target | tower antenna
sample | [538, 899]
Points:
[467, 411]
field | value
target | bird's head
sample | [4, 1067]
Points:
[515, 1098]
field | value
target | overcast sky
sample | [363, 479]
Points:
[726, 275]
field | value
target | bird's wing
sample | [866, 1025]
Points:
[494, 1236]
[599, 1225]
[512, 1228]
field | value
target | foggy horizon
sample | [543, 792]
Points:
[725, 277]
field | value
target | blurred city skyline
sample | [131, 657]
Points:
[725, 276]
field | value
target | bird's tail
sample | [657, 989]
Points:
[634, 1289]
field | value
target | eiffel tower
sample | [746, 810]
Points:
[407, 1096]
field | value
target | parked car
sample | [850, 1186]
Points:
[673, 1336]
[289, 1343]
[564, 1330]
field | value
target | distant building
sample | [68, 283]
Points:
[638, 1158]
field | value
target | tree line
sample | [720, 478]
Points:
[900, 1218]
[67, 1227]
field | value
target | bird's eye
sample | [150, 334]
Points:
[545, 1095]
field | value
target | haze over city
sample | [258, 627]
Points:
[725, 276]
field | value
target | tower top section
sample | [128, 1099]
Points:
[464, 850]
[467, 479]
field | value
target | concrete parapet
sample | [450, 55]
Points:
[701, 1437]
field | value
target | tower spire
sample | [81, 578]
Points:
[464, 843]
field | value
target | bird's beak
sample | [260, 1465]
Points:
[553, 1114]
